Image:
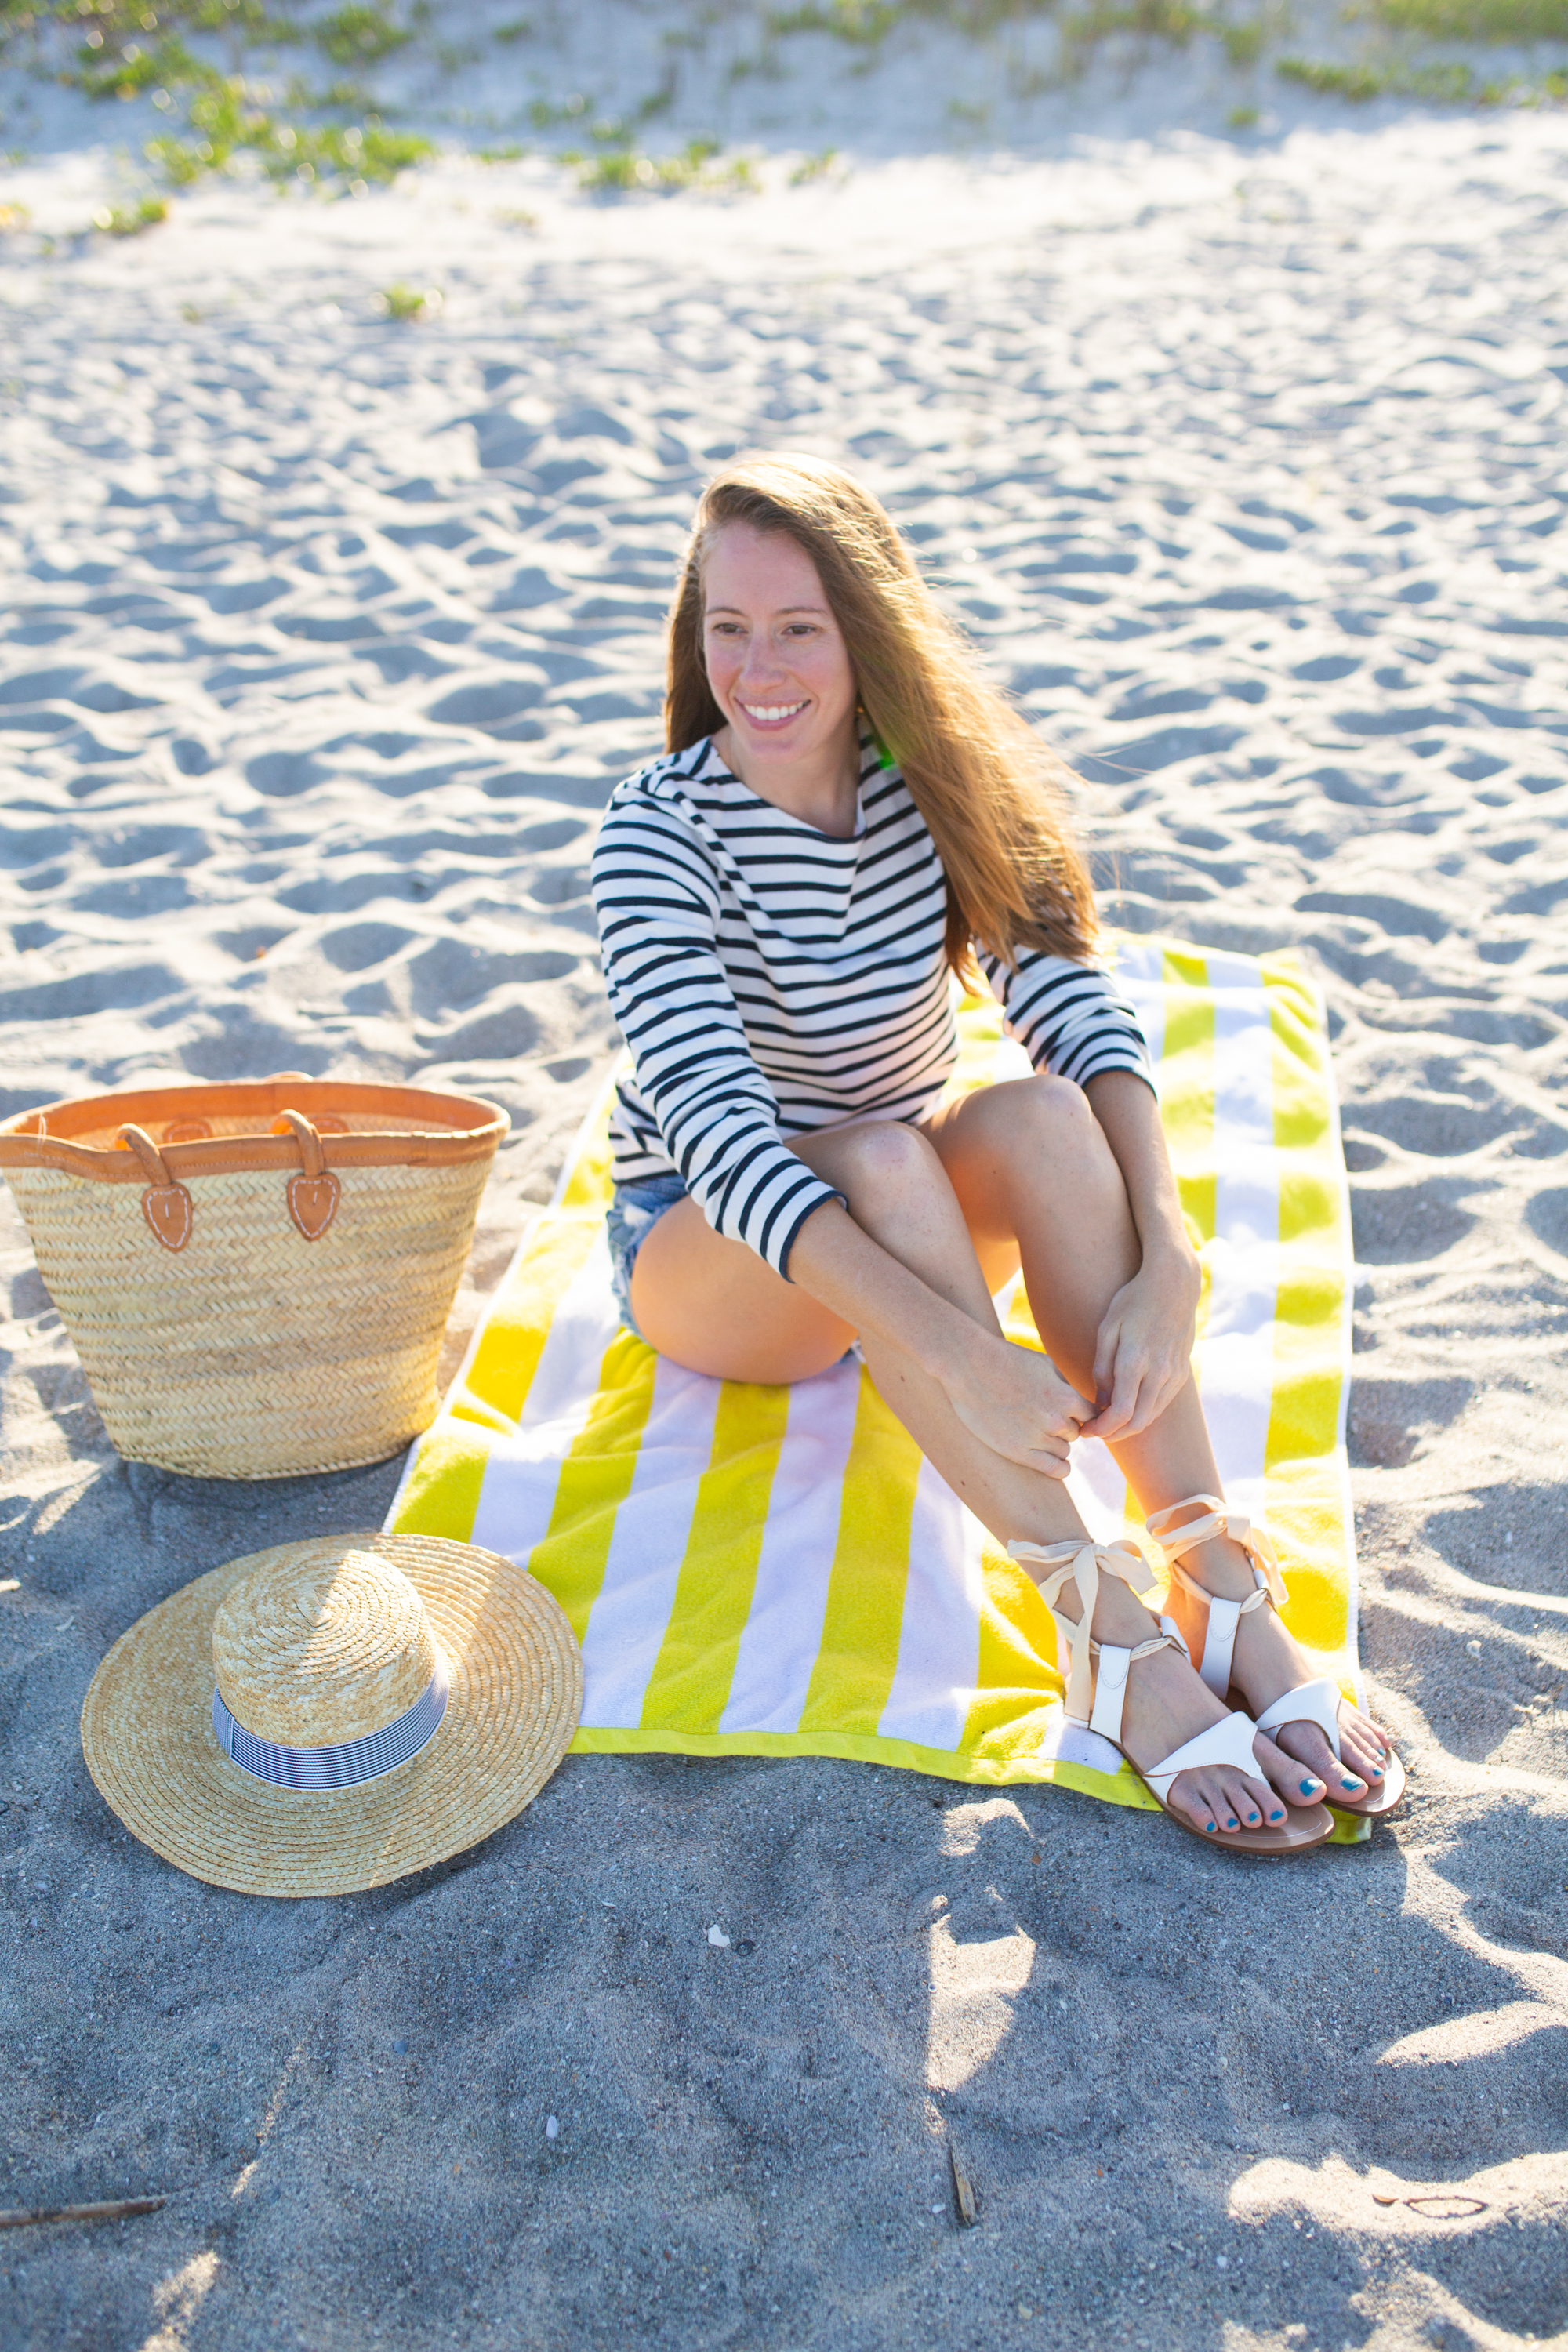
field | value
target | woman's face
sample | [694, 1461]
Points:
[776, 660]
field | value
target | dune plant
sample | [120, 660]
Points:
[193, 60]
[131, 220]
[223, 124]
[210, 67]
[359, 35]
[403, 304]
[621, 170]
[1515, 22]
[1439, 84]
[1083, 32]
[865, 23]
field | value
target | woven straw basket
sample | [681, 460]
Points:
[256, 1278]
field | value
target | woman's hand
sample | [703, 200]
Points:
[1016, 1402]
[1143, 1355]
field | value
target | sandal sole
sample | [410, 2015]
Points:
[1265, 1845]
[1390, 1796]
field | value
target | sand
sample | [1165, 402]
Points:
[326, 639]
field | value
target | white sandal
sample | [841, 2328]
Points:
[1097, 1690]
[1317, 1701]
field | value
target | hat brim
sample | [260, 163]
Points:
[516, 1694]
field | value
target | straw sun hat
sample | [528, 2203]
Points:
[327, 1716]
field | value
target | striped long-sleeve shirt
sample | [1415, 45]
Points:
[771, 981]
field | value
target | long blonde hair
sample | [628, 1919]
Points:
[990, 792]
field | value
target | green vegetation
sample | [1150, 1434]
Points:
[1517, 22]
[1355, 82]
[813, 167]
[130, 220]
[403, 304]
[226, 126]
[194, 60]
[1084, 30]
[863, 23]
[1439, 84]
[1243, 43]
[359, 36]
[285, 90]
[620, 170]
[550, 113]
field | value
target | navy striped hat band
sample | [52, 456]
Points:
[347, 1766]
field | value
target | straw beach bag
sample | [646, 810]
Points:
[257, 1278]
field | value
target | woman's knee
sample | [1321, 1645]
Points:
[1056, 1104]
[1043, 1131]
[882, 1161]
[1046, 1118]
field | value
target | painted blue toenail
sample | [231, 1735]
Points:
[1347, 1784]
[1308, 1786]
[1277, 1817]
[1211, 1825]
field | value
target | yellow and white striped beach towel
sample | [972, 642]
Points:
[755, 1570]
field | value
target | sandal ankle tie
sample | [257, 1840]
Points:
[1224, 1616]
[1082, 1560]
[1220, 1521]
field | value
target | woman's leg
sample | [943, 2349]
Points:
[713, 1306]
[1038, 1184]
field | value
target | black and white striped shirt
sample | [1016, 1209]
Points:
[771, 981]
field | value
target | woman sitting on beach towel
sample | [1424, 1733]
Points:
[846, 815]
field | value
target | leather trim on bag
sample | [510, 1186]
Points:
[463, 1128]
[169, 1214]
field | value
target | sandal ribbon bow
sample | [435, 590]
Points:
[1081, 1561]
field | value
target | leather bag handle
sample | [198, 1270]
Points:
[165, 1204]
[314, 1194]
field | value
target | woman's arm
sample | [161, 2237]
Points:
[1012, 1398]
[1073, 1021]
[1144, 1357]
[657, 906]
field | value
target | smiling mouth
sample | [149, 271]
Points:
[768, 714]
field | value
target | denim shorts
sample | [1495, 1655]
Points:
[633, 1213]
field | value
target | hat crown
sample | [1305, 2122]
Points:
[322, 1644]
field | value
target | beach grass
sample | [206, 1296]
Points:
[871, 23]
[207, 66]
[404, 304]
[1511, 21]
[1248, 36]
[286, 91]
[1439, 84]
[620, 170]
[131, 220]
